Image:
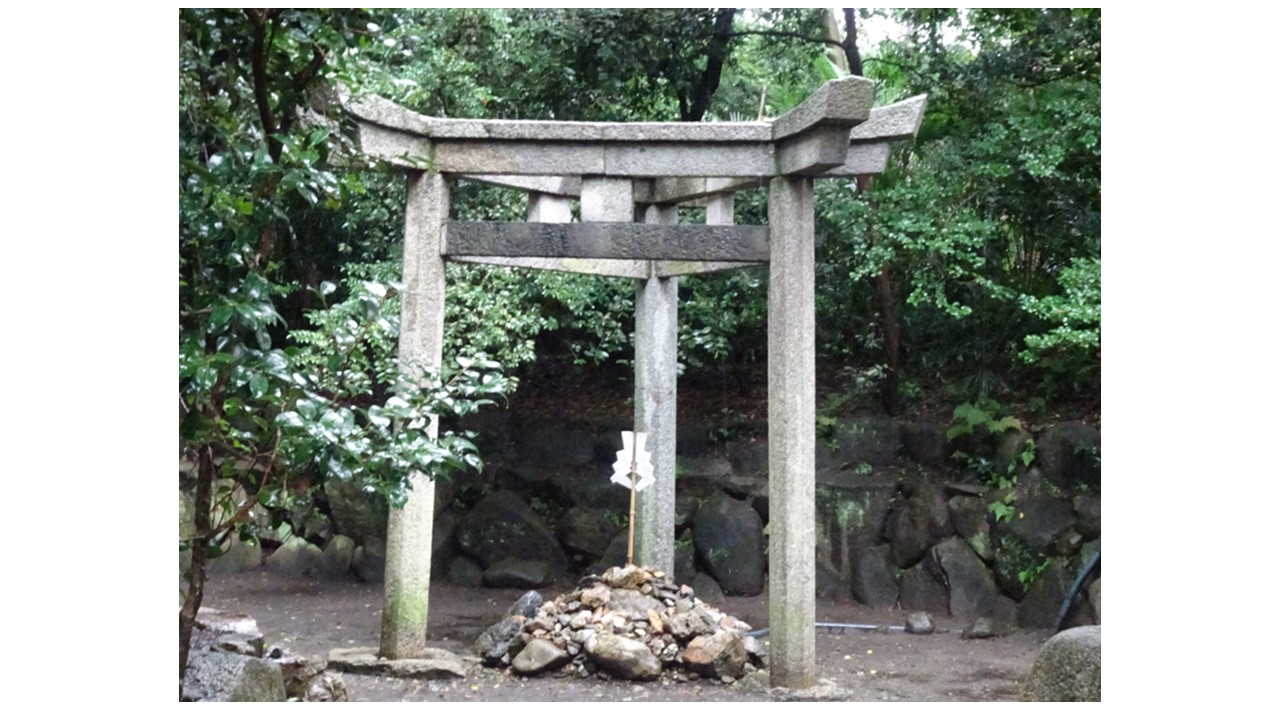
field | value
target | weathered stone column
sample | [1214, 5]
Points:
[549, 208]
[408, 570]
[792, 661]
[720, 210]
[655, 407]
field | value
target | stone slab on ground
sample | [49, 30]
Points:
[436, 664]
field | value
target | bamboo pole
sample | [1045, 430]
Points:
[631, 522]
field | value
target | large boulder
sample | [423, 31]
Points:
[729, 537]
[921, 522]
[1068, 669]
[872, 439]
[214, 676]
[550, 443]
[360, 515]
[443, 548]
[369, 562]
[1010, 448]
[335, 561]
[587, 531]
[1038, 521]
[971, 588]
[517, 573]
[464, 572]
[969, 516]
[585, 487]
[1043, 602]
[872, 581]
[920, 589]
[1069, 453]
[1088, 515]
[502, 526]
[851, 513]
[297, 557]
[750, 457]
[926, 443]
[614, 556]
[239, 556]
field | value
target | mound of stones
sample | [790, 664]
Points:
[629, 623]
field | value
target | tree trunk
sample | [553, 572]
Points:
[850, 44]
[199, 561]
[717, 53]
[890, 331]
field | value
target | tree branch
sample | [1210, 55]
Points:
[787, 34]
[300, 82]
[260, 95]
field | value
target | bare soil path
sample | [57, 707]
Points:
[311, 617]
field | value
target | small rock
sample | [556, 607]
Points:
[326, 687]
[539, 656]
[495, 642]
[299, 673]
[629, 577]
[655, 621]
[595, 597]
[982, 628]
[240, 644]
[624, 658]
[527, 605]
[716, 656]
[919, 623]
[757, 652]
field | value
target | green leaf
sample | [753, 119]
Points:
[221, 314]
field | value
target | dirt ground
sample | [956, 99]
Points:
[310, 617]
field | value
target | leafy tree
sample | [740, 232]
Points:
[257, 176]
[999, 193]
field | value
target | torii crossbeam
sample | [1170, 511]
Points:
[624, 173]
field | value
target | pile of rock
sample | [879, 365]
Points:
[629, 622]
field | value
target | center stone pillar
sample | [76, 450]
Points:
[655, 407]
[408, 563]
[792, 662]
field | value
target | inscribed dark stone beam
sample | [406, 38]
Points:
[620, 241]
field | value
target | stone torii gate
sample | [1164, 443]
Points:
[624, 172]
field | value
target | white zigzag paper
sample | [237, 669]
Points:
[644, 462]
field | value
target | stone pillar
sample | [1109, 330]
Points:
[720, 210]
[792, 659]
[408, 569]
[549, 208]
[655, 408]
[607, 199]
